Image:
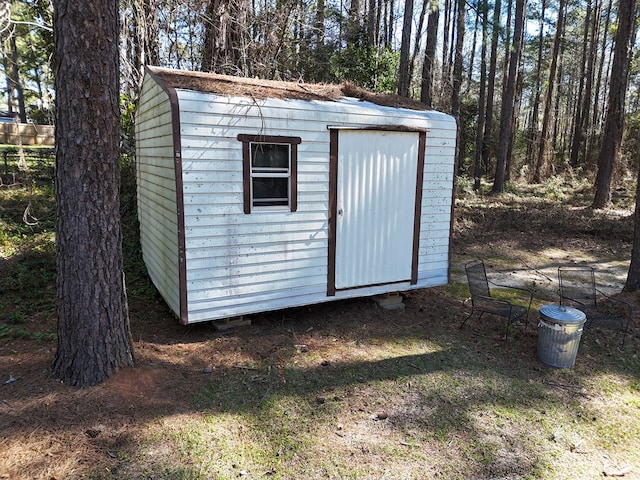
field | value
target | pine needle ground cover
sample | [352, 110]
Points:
[344, 390]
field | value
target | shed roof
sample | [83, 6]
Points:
[257, 88]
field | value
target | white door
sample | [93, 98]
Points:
[375, 200]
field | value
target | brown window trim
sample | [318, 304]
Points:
[246, 166]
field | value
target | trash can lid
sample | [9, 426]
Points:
[562, 314]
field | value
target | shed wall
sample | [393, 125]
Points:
[156, 187]
[239, 263]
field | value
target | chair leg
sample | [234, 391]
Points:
[624, 334]
[469, 316]
[466, 318]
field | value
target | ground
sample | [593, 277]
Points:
[347, 389]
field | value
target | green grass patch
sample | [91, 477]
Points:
[11, 331]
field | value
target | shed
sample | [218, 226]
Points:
[259, 195]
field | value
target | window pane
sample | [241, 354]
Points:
[270, 191]
[269, 155]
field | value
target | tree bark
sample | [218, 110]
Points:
[584, 106]
[403, 72]
[596, 117]
[22, 112]
[426, 91]
[225, 23]
[390, 21]
[491, 88]
[354, 25]
[150, 33]
[372, 26]
[456, 81]
[534, 138]
[633, 277]
[582, 102]
[319, 28]
[93, 325]
[417, 38]
[446, 64]
[474, 43]
[614, 120]
[509, 100]
[477, 163]
[545, 151]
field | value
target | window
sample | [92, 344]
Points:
[269, 171]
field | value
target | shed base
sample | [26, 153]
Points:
[233, 322]
[390, 301]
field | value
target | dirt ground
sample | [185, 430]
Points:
[50, 430]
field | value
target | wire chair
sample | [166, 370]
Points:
[578, 289]
[483, 301]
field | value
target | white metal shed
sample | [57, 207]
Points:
[257, 196]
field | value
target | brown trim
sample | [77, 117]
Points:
[453, 198]
[333, 200]
[293, 178]
[269, 139]
[246, 177]
[422, 137]
[384, 128]
[246, 166]
[372, 285]
[177, 161]
[333, 195]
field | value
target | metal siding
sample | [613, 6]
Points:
[240, 264]
[375, 201]
[156, 191]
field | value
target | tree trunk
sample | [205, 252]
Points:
[372, 27]
[584, 108]
[578, 125]
[534, 138]
[93, 325]
[417, 38]
[446, 64]
[633, 277]
[319, 28]
[457, 63]
[403, 72]
[390, 23]
[474, 43]
[9, 83]
[545, 152]
[225, 23]
[457, 79]
[426, 91]
[477, 164]
[491, 87]
[150, 33]
[22, 112]
[509, 100]
[596, 121]
[354, 25]
[614, 120]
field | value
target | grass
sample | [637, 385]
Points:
[27, 248]
[475, 414]
[479, 416]
[344, 390]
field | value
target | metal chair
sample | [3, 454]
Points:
[578, 289]
[483, 301]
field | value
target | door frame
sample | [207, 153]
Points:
[334, 134]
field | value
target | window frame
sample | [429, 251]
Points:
[248, 174]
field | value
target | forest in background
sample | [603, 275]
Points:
[529, 82]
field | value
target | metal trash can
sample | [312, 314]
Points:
[559, 332]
